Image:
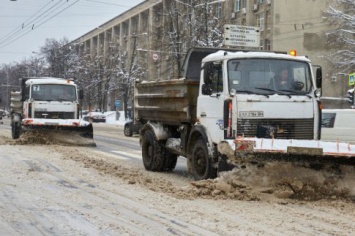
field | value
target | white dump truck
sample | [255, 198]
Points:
[50, 105]
[229, 105]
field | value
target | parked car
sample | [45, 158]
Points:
[6, 113]
[83, 113]
[338, 125]
[95, 117]
[130, 128]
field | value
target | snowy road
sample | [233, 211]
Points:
[41, 196]
[58, 190]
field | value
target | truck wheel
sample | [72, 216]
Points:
[201, 163]
[127, 131]
[170, 161]
[153, 160]
[15, 131]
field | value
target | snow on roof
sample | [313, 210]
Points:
[231, 55]
[49, 80]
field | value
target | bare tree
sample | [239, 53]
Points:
[189, 24]
[129, 69]
[342, 37]
[35, 66]
[9, 80]
[60, 57]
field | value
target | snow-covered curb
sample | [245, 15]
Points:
[111, 118]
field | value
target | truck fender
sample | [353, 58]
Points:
[159, 131]
[200, 131]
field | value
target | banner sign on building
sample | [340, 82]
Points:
[239, 35]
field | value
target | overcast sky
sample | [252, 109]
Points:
[26, 24]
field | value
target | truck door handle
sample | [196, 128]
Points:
[203, 114]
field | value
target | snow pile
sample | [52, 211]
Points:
[274, 182]
[51, 137]
[113, 117]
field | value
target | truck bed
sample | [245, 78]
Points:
[171, 102]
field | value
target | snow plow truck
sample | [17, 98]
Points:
[49, 105]
[227, 110]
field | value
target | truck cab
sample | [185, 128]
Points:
[47, 104]
[240, 95]
[50, 98]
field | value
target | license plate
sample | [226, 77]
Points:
[245, 114]
[51, 123]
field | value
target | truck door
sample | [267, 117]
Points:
[210, 103]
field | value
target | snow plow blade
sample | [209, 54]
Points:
[79, 135]
[311, 153]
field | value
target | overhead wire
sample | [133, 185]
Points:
[107, 3]
[31, 25]
[26, 23]
[20, 26]
[40, 22]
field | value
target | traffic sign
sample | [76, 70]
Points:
[117, 103]
[239, 35]
[352, 79]
[155, 56]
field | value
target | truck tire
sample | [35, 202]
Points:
[15, 131]
[152, 153]
[201, 163]
[170, 161]
[127, 131]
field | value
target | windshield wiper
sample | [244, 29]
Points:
[293, 92]
[275, 91]
[266, 89]
[251, 92]
[245, 91]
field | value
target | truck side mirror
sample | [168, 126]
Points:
[319, 77]
[81, 94]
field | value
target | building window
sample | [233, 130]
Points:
[268, 22]
[260, 21]
[243, 3]
[260, 1]
[237, 5]
[267, 45]
[218, 11]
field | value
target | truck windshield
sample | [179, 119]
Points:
[53, 92]
[269, 76]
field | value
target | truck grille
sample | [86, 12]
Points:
[55, 115]
[284, 128]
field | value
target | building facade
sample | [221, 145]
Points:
[156, 34]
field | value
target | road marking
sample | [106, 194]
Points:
[127, 154]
